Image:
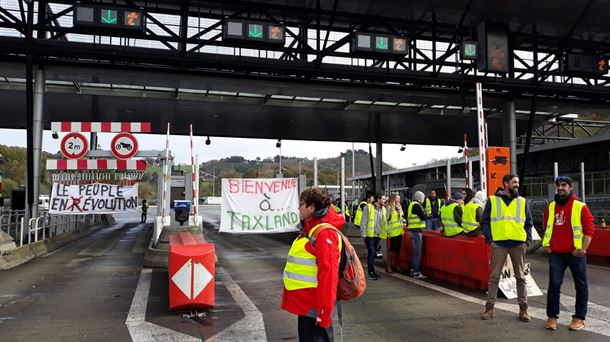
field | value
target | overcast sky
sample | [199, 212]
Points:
[249, 148]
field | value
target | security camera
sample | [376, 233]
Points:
[207, 141]
[278, 144]
[54, 135]
[403, 147]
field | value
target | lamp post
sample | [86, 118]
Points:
[279, 145]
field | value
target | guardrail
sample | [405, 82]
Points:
[42, 227]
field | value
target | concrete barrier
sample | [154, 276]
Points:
[599, 250]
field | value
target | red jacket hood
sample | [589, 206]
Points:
[332, 217]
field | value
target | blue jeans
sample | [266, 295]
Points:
[432, 223]
[417, 242]
[558, 262]
[371, 248]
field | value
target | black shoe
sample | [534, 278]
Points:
[372, 276]
[377, 274]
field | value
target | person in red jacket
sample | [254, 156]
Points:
[311, 275]
[569, 230]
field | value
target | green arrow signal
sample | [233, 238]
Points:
[256, 33]
[382, 43]
[108, 19]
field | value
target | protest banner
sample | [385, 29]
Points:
[96, 198]
[259, 205]
[508, 283]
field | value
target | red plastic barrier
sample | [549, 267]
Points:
[191, 272]
[599, 250]
[460, 260]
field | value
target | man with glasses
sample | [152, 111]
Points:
[569, 230]
[507, 226]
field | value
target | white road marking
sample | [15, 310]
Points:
[249, 328]
[139, 329]
[594, 325]
[598, 316]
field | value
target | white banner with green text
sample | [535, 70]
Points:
[259, 205]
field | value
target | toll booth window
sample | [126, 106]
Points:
[364, 41]
[235, 28]
[84, 14]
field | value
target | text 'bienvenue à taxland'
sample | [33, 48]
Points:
[268, 220]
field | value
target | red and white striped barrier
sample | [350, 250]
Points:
[194, 178]
[108, 127]
[482, 138]
[95, 164]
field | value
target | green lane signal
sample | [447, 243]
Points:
[381, 43]
[469, 50]
[255, 31]
[109, 17]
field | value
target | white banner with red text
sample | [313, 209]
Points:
[95, 198]
[259, 205]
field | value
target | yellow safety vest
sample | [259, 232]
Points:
[508, 222]
[451, 227]
[358, 213]
[469, 217]
[414, 221]
[395, 225]
[575, 223]
[337, 209]
[429, 206]
[370, 226]
[301, 271]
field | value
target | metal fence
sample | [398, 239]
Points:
[43, 227]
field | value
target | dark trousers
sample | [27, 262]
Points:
[143, 219]
[310, 332]
[557, 267]
[372, 243]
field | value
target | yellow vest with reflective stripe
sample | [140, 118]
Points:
[370, 226]
[451, 227]
[395, 225]
[337, 209]
[469, 217]
[429, 206]
[508, 222]
[414, 221]
[575, 223]
[301, 271]
[358, 214]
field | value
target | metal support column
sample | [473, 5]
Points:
[353, 173]
[448, 179]
[378, 168]
[37, 136]
[342, 184]
[582, 182]
[510, 137]
[315, 171]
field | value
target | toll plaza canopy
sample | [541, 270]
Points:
[382, 71]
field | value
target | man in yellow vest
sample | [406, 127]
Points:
[569, 230]
[473, 212]
[372, 227]
[507, 226]
[368, 200]
[451, 215]
[416, 218]
[433, 206]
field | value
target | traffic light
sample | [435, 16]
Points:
[584, 64]
[253, 32]
[108, 17]
[493, 53]
[369, 43]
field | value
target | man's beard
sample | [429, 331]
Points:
[514, 192]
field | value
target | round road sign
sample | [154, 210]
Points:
[124, 145]
[74, 145]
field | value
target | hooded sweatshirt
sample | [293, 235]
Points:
[562, 240]
[320, 301]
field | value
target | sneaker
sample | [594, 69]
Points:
[373, 276]
[419, 276]
[577, 324]
[488, 314]
[551, 323]
[524, 316]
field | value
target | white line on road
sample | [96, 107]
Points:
[249, 328]
[139, 329]
[594, 325]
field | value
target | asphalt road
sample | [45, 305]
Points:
[88, 290]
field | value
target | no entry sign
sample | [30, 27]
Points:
[74, 146]
[124, 145]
